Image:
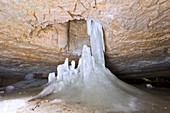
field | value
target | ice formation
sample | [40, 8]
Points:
[51, 77]
[91, 83]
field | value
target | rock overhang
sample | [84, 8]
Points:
[137, 36]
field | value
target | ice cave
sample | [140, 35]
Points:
[84, 56]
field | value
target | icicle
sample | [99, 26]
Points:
[95, 31]
[89, 28]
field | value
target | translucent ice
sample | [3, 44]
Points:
[95, 31]
[91, 83]
[51, 77]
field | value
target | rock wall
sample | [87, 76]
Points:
[37, 35]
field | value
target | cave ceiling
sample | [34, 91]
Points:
[36, 35]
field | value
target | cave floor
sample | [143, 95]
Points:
[17, 102]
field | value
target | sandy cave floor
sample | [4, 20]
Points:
[17, 102]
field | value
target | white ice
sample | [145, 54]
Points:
[95, 31]
[51, 77]
[91, 83]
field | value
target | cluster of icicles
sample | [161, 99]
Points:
[91, 83]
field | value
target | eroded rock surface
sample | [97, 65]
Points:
[37, 35]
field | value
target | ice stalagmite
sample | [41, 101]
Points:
[91, 83]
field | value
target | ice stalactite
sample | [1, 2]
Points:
[91, 83]
[95, 31]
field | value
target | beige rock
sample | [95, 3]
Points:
[137, 34]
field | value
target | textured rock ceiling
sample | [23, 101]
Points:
[137, 34]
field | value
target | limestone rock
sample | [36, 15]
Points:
[137, 34]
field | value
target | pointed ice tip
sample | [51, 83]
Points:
[86, 49]
[72, 64]
[66, 61]
[85, 46]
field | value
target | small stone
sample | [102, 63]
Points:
[29, 76]
[1, 92]
[165, 107]
[9, 88]
[149, 86]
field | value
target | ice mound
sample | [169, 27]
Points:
[91, 83]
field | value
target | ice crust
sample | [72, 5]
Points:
[91, 83]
